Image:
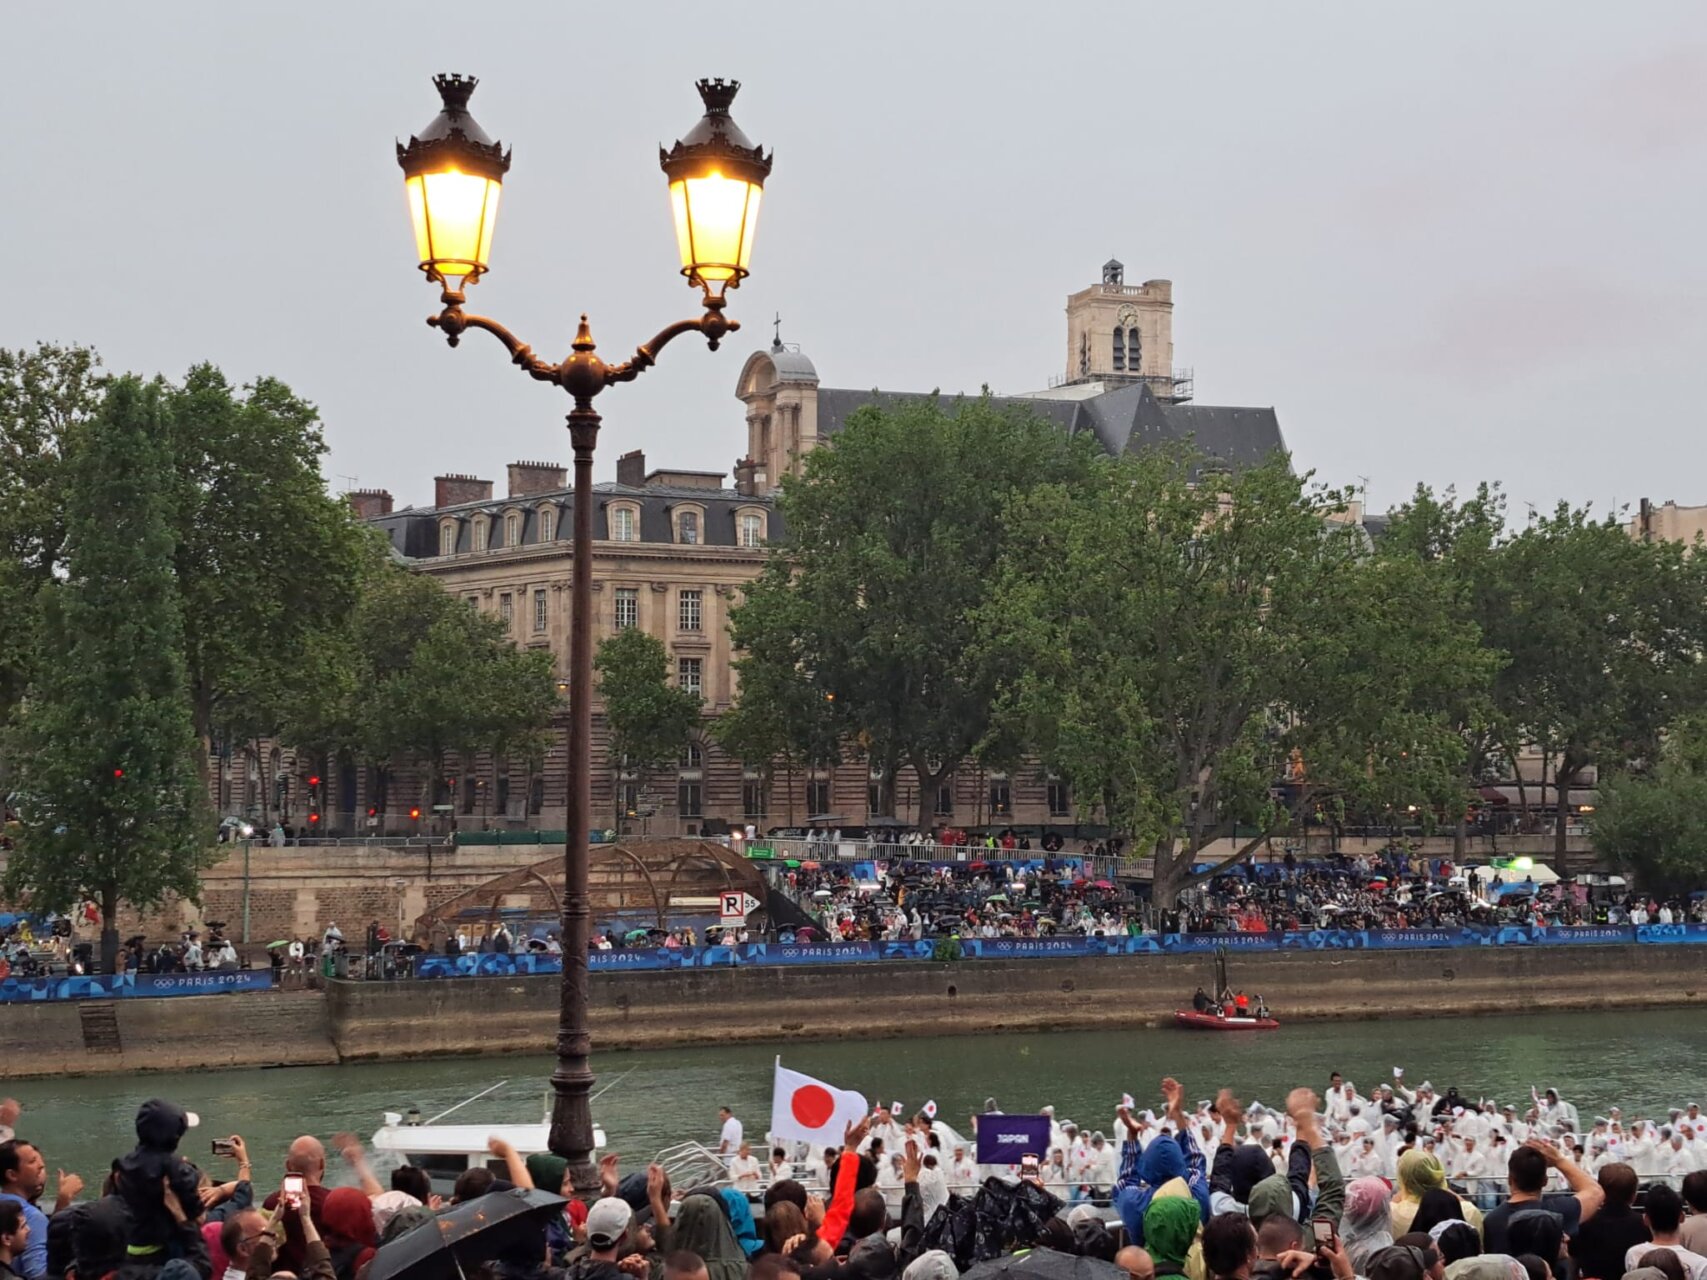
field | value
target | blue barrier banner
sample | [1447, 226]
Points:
[1585, 934]
[821, 953]
[1006, 1139]
[1671, 933]
[129, 985]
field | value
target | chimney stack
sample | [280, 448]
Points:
[454, 490]
[529, 478]
[369, 503]
[631, 469]
[745, 471]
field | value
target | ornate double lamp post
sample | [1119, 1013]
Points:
[454, 174]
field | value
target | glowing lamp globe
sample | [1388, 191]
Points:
[716, 178]
[453, 174]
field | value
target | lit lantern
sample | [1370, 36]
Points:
[453, 174]
[716, 178]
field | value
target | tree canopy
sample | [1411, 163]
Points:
[103, 745]
[1205, 653]
[1653, 823]
[866, 610]
[649, 719]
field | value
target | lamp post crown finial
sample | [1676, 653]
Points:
[718, 94]
[455, 89]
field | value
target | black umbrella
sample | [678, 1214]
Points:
[461, 1238]
[1043, 1264]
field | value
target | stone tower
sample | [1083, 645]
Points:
[1119, 333]
[780, 389]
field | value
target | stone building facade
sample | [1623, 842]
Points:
[675, 550]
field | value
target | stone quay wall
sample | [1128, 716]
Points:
[646, 1010]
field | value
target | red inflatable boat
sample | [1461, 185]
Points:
[1218, 1022]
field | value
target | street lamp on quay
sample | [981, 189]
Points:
[454, 174]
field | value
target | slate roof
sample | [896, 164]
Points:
[414, 531]
[1123, 420]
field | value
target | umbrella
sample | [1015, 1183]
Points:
[826, 817]
[1042, 1264]
[274, 946]
[821, 893]
[633, 935]
[461, 1238]
[1101, 884]
[809, 866]
[886, 822]
[997, 897]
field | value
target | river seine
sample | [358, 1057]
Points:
[1644, 1062]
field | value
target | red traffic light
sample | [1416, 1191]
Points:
[414, 813]
[372, 812]
[314, 780]
[118, 773]
[313, 818]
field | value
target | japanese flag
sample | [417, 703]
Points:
[930, 1110]
[809, 1110]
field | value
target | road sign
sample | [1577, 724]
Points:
[736, 905]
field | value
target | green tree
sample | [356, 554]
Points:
[1456, 543]
[648, 718]
[779, 719]
[893, 537]
[1605, 635]
[1201, 653]
[268, 563]
[45, 395]
[432, 676]
[104, 748]
[1654, 824]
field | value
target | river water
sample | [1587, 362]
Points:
[1643, 1061]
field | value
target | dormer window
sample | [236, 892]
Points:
[624, 524]
[447, 538]
[749, 528]
[513, 529]
[547, 524]
[687, 527]
[482, 525]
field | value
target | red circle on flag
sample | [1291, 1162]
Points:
[812, 1105]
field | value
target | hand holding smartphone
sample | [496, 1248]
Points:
[294, 1189]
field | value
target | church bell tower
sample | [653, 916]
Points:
[1119, 334]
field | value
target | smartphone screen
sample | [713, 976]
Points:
[295, 1187]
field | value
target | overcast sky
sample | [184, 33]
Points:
[1447, 241]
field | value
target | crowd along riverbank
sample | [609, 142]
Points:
[422, 1018]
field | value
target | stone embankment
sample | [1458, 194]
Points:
[399, 1020]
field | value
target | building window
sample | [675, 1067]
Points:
[501, 791]
[945, 800]
[687, 610]
[447, 539]
[1001, 797]
[539, 609]
[1134, 346]
[480, 530]
[628, 798]
[687, 674]
[623, 526]
[513, 529]
[470, 793]
[536, 794]
[817, 796]
[692, 757]
[687, 527]
[752, 530]
[627, 607]
[473, 602]
[506, 609]
[687, 799]
[1120, 349]
[547, 524]
[754, 794]
[876, 794]
[1060, 798]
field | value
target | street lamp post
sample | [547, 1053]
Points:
[453, 176]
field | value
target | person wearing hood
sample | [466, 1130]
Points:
[1365, 1227]
[1169, 1230]
[148, 1170]
[702, 1228]
[1145, 1170]
[1419, 1173]
[350, 1234]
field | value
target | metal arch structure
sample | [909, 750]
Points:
[656, 872]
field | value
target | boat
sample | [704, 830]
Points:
[1221, 1022]
[446, 1151]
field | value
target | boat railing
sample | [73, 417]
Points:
[690, 1164]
